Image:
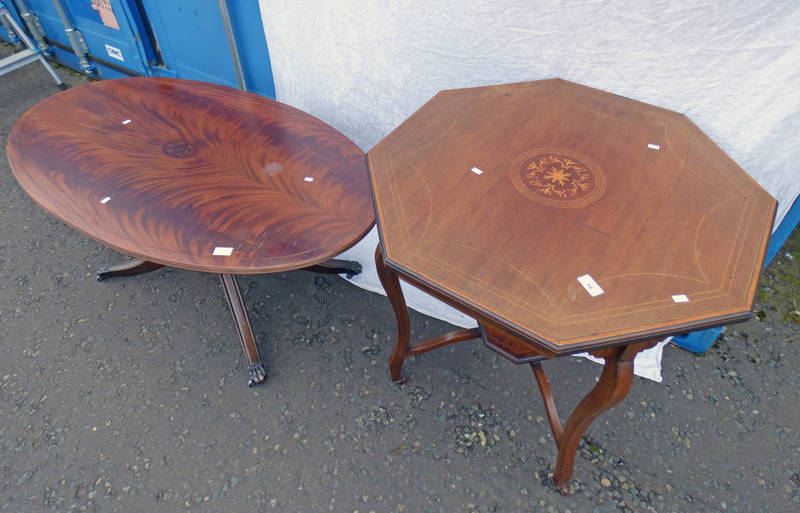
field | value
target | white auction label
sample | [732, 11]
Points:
[590, 285]
[222, 251]
[681, 298]
[477, 170]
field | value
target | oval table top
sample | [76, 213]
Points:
[194, 175]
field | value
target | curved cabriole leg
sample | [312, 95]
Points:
[614, 385]
[248, 341]
[391, 284]
[128, 268]
[549, 403]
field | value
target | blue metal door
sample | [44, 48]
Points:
[192, 43]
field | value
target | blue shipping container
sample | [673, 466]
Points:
[176, 38]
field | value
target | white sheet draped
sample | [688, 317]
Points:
[732, 66]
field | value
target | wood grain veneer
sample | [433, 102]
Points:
[190, 166]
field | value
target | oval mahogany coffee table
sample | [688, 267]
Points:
[197, 176]
[565, 219]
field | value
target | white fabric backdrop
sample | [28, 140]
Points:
[732, 66]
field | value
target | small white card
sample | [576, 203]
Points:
[477, 170]
[222, 251]
[654, 146]
[308, 179]
[590, 285]
[105, 200]
[114, 53]
[680, 298]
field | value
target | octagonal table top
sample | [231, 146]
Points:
[194, 175]
[570, 216]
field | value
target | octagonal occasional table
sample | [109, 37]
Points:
[197, 176]
[565, 219]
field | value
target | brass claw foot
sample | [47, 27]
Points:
[257, 374]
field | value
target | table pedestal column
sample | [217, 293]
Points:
[246, 338]
[256, 370]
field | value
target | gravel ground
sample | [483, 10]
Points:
[130, 395]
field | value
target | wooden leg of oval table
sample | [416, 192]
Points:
[614, 385]
[127, 268]
[248, 341]
[391, 284]
[349, 268]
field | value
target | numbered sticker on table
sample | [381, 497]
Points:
[590, 285]
[222, 251]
